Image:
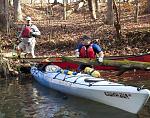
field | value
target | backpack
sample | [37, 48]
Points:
[26, 32]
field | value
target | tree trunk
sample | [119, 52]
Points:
[55, 2]
[110, 13]
[31, 2]
[17, 11]
[117, 22]
[96, 2]
[2, 6]
[136, 11]
[4, 16]
[11, 2]
[90, 5]
[49, 2]
[94, 9]
[65, 9]
[102, 1]
[148, 6]
[147, 9]
[41, 3]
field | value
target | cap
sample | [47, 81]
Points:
[28, 18]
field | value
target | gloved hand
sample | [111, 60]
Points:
[100, 59]
[76, 53]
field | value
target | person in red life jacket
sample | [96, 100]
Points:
[27, 36]
[88, 49]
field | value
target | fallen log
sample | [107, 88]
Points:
[121, 64]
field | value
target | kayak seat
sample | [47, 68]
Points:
[93, 80]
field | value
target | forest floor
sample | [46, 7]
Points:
[60, 37]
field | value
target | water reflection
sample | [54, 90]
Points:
[26, 98]
[74, 107]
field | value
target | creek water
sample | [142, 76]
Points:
[25, 98]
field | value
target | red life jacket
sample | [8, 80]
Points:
[26, 32]
[87, 52]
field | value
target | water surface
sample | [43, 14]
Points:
[25, 98]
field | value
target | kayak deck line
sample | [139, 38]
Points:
[56, 75]
[90, 83]
[89, 80]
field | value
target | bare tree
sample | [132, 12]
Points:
[136, 11]
[117, 21]
[49, 2]
[17, 10]
[31, 2]
[55, 1]
[93, 8]
[90, 5]
[11, 2]
[65, 9]
[110, 13]
[2, 6]
[4, 16]
[102, 1]
[147, 9]
[148, 6]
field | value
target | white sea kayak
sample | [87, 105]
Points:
[128, 98]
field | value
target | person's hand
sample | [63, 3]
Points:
[76, 53]
[34, 35]
[100, 59]
[31, 34]
[19, 39]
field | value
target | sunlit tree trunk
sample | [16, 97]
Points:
[41, 3]
[96, 2]
[31, 2]
[94, 9]
[11, 2]
[110, 13]
[65, 9]
[17, 11]
[136, 11]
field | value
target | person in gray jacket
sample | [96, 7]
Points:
[27, 36]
